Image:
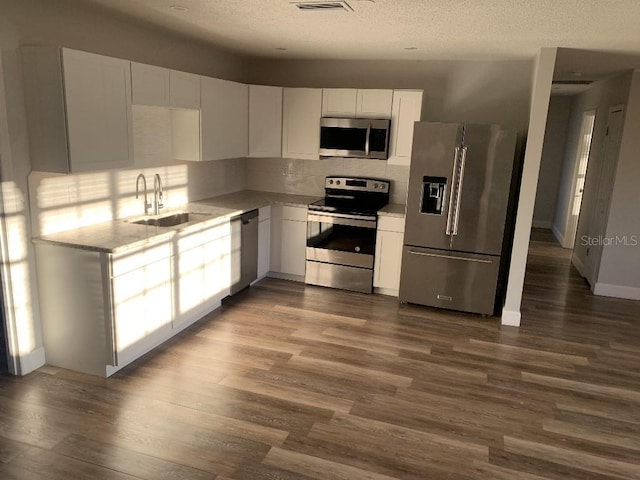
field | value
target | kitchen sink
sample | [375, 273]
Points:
[171, 220]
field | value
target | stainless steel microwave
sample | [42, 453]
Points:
[354, 137]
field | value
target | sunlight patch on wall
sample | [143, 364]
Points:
[16, 267]
[65, 202]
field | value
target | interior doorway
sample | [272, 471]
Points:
[578, 178]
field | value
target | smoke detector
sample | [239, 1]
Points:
[310, 6]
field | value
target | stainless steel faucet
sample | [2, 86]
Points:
[157, 194]
[147, 204]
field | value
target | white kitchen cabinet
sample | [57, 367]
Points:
[294, 240]
[100, 310]
[264, 241]
[339, 102]
[149, 85]
[356, 103]
[201, 266]
[301, 111]
[184, 90]
[141, 302]
[288, 242]
[185, 134]
[389, 240]
[265, 121]
[406, 110]
[103, 310]
[224, 119]
[374, 103]
[79, 110]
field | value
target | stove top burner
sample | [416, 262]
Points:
[353, 196]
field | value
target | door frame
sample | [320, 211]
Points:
[571, 222]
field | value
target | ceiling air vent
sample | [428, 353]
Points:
[323, 6]
[572, 82]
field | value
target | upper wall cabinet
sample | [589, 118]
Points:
[184, 89]
[162, 87]
[358, 103]
[372, 103]
[407, 109]
[301, 111]
[224, 119]
[149, 85]
[265, 121]
[339, 102]
[79, 109]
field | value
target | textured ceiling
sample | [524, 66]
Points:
[384, 29]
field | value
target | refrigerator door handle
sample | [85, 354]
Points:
[463, 161]
[366, 143]
[454, 179]
[450, 257]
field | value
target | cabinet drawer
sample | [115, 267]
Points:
[452, 280]
[297, 214]
[391, 224]
[139, 257]
[195, 237]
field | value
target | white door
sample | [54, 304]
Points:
[579, 176]
[605, 187]
[406, 110]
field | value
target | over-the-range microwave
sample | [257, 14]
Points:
[354, 137]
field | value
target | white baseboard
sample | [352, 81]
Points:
[617, 291]
[559, 236]
[541, 224]
[511, 318]
[582, 270]
[386, 291]
[32, 361]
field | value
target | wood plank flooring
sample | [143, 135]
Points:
[293, 382]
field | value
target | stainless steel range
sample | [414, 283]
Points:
[341, 233]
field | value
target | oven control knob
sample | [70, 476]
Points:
[337, 182]
[330, 182]
[375, 185]
[357, 249]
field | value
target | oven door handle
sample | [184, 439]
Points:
[343, 219]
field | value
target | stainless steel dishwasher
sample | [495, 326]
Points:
[244, 254]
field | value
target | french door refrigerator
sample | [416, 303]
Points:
[459, 184]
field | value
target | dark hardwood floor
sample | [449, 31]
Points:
[294, 382]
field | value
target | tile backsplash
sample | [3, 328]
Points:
[306, 177]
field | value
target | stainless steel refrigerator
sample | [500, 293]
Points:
[459, 186]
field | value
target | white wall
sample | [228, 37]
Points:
[543, 75]
[619, 273]
[552, 161]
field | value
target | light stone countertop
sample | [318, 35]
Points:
[120, 235]
[393, 210]
[246, 200]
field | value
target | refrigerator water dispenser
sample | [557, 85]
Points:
[433, 194]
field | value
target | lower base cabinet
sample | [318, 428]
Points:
[101, 311]
[390, 237]
[264, 241]
[288, 241]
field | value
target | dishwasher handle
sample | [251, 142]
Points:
[247, 217]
